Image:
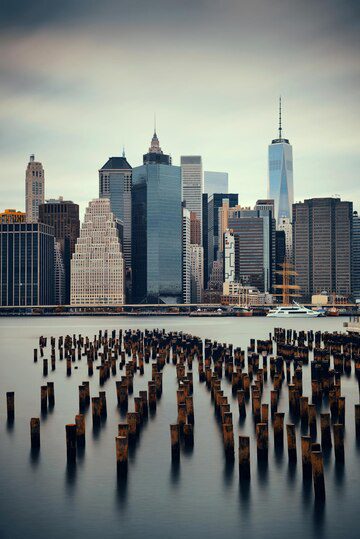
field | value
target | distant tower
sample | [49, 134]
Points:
[280, 184]
[34, 189]
[97, 266]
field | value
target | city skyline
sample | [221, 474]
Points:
[228, 116]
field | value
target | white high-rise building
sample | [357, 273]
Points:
[197, 273]
[97, 266]
[186, 256]
[229, 257]
[285, 225]
[59, 275]
[34, 189]
[192, 184]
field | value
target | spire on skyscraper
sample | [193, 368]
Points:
[123, 152]
[280, 128]
[155, 145]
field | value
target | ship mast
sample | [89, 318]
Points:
[288, 290]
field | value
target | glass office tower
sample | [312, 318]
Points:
[156, 230]
[280, 181]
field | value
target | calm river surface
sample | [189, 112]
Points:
[41, 497]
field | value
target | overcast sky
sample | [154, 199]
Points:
[81, 78]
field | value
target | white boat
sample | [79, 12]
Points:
[293, 311]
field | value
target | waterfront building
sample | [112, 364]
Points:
[12, 216]
[356, 256]
[215, 202]
[63, 216]
[280, 249]
[254, 236]
[322, 239]
[280, 179]
[192, 185]
[216, 278]
[186, 256]
[115, 183]
[156, 229]
[97, 265]
[59, 275]
[234, 293]
[197, 272]
[27, 264]
[34, 189]
[216, 182]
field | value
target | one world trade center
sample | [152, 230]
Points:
[280, 183]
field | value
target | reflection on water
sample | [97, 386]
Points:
[199, 495]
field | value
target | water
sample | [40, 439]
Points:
[40, 496]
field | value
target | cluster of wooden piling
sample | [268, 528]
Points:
[278, 360]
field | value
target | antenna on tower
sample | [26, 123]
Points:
[154, 122]
[280, 128]
[123, 152]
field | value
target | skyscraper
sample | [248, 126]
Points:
[186, 256]
[192, 184]
[216, 182]
[205, 241]
[157, 229]
[197, 274]
[97, 266]
[26, 264]
[280, 181]
[59, 276]
[322, 237]
[215, 201]
[63, 215]
[356, 256]
[115, 182]
[254, 236]
[34, 189]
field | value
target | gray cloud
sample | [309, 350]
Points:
[81, 78]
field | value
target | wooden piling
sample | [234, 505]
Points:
[306, 455]
[71, 442]
[10, 405]
[291, 442]
[244, 457]
[189, 435]
[325, 430]
[318, 474]
[262, 441]
[51, 394]
[312, 420]
[80, 429]
[190, 409]
[44, 398]
[95, 402]
[279, 428]
[175, 441]
[122, 450]
[339, 442]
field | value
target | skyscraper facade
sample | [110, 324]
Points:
[216, 182]
[59, 276]
[356, 256]
[205, 241]
[97, 266]
[27, 264]
[215, 201]
[197, 275]
[280, 179]
[254, 236]
[34, 189]
[157, 229]
[115, 183]
[63, 216]
[186, 256]
[192, 184]
[322, 239]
